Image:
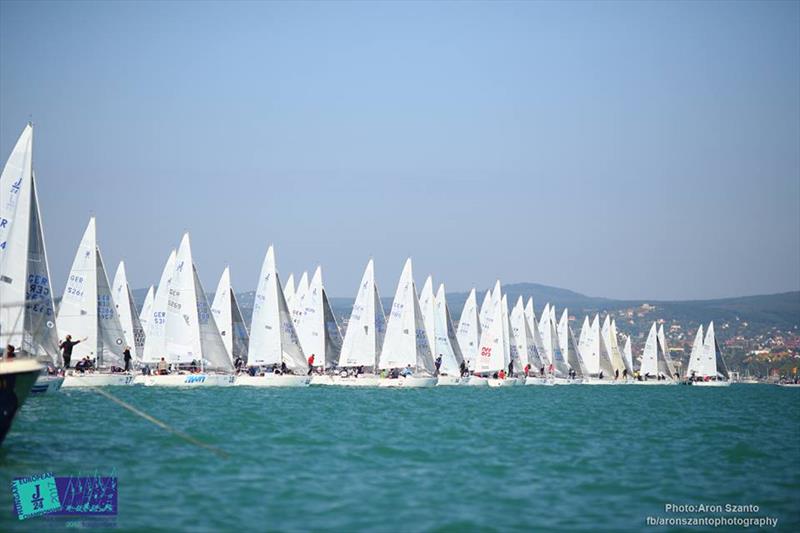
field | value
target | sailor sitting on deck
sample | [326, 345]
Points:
[10, 354]
[162, 367]
[406, 372]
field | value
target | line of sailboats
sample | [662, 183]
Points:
[181, 338]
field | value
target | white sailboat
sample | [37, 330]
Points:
[595, 357]
[569, 347]
[406, 347]
[228, 317]
[317, 327]
[492, 351]
[191, 338]
[653, 368]
[525, 346]
[27, 312]
[713, 370]
[446, 342]
[363, 339]
[87, 313]
[469, 330]
[669, 366]
[147, 306]
[273, 339]
[627, 354]
[128, 316]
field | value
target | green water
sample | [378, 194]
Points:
[444, 459]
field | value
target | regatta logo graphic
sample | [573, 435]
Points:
[194, 379]
[46, 494]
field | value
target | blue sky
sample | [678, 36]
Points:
[629, 150]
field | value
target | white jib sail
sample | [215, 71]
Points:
[111, 333]
[569, 347]
[668, 366]
[363, 338]
[612, 345]
[212, 349]
[41, 334]
[546, 334]
[713, 364]
[446, 343]
[469, 332]
[289, 291]
[530, 313]
[406, 341]
[509, 346]
[273, 338]
[147, 306]
[15, 208]
[485, 310]
[126, 308]
[627, 353]
[155, 346]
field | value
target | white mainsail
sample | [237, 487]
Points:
[469, 332]
[485, 310]
[273, 338]
[128, 316]
[509, 346]
[446, 342]
[406, 341]
[316, 325]
[491, 351]
[546, 334]
[650, 354]
[595, 357]
[228, 317]
[147, 306]
[87, 308]
[427, 305]
[15, 218]
[191, 333]
[363, 338]
[530, 313]
[155, 343]
[695, 365]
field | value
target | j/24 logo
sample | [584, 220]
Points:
[194, 379]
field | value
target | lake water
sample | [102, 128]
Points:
[566, 458]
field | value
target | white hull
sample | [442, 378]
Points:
[272, 380]
[566, 381]
[409, 382]
[98, 379]
[477, 381]
[363, 380]
[711, 384]
[506, 382]
[788, 384]
[317, 379]
[189, 380]
[138, 379]
[445, 381]
[46, 384]
[654, 382]
[594, 381]
[543, 382]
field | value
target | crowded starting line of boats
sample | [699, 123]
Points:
[97, 337]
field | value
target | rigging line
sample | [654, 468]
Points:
[188, 438]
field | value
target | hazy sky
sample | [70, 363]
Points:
[625, 150]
